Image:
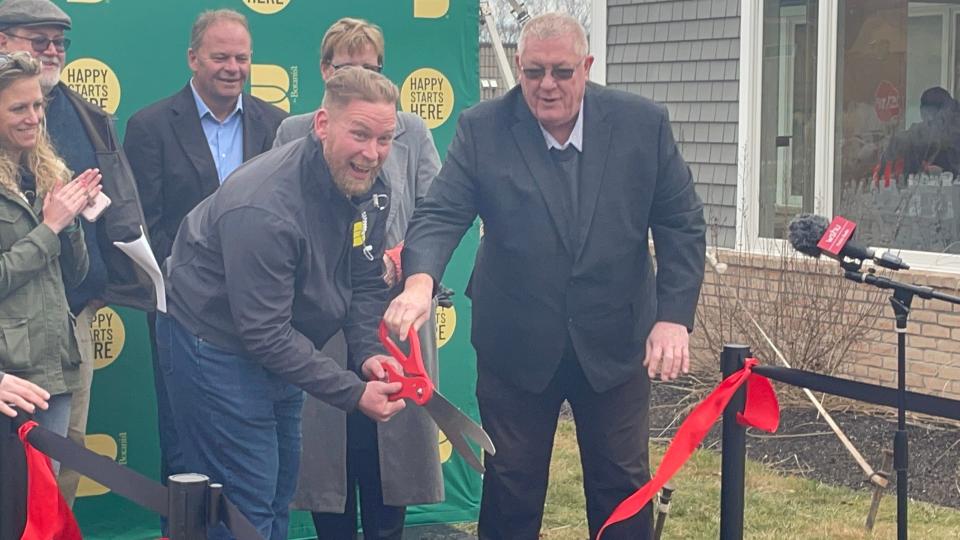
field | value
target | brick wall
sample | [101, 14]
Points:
[810, 311]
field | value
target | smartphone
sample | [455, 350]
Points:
[93, 211]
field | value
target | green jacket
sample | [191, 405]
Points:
[36, 336]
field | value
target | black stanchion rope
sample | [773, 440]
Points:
[870, 393]
[124, 481]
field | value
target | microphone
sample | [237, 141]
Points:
[813, 235]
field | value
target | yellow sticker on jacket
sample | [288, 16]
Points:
[358, 234]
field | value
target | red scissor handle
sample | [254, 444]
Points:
[417, 386]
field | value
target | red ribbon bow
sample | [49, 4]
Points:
[48, 516]
[761, 411]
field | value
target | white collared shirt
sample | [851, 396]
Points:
[576, 136]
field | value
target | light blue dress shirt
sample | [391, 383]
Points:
[225, 139]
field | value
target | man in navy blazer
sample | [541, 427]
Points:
[568, 178]
[176, 146]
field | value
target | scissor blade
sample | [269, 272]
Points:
[463, 423]
[456, 425]
[465, 451]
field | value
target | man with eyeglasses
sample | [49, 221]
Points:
[395, 464]
[84, 135]
[568, 177]
[183, 147]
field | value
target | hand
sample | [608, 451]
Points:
[373, 370]
[62, 204]
[667, 350]
[391, 263]
[23, 394]
[412, 307]
[374, 402]
[389, 272]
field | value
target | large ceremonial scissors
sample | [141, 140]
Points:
[418, 388]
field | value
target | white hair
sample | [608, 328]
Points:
[551, 25]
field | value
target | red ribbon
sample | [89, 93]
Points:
[394, 255]
[48, 516]
[761, 411]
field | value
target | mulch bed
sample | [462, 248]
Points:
[805, 445]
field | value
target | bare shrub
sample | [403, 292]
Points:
[807, 309]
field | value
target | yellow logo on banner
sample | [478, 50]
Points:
[272, 83]
[427, 93]
[95, 81]
[446, 324]
[105, 446]
[267, 7]
[446, 447]
[430, 9]
[109, 335]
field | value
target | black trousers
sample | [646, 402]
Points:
[379, 521]
[612, 432]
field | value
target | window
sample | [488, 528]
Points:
[856, 117]
[788, 114]
[897, 154]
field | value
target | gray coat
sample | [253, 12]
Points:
[408, 443]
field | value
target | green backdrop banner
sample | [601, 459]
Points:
[129, 53]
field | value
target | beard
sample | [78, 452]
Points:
[350, 186]
[347, 183]
[50, 78]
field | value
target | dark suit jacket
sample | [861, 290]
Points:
[172, 162]
[531, 287]
[123, 221]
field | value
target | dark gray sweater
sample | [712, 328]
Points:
[266, 267]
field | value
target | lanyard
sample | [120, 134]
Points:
[380, 202]
[367, 248]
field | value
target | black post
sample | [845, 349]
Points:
[903, 294]
[13, 481]
[901, 301]
[187, 494]
[733, 449]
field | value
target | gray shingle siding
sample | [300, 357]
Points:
[685, 54]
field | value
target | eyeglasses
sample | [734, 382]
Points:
[41, 43]
[559, 73]
[370, 67]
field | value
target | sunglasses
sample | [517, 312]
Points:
[17, 60]
[41, 43]
[368, 67]
[559, 73]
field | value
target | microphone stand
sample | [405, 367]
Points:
[901, 299]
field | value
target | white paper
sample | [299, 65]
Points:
[139, 250]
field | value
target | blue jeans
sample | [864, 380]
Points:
[236, 422]
[56, 419]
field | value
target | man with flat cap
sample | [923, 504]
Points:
[84, 136]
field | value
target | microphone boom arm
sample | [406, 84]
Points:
[882, 282]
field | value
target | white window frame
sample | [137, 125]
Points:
[748, 159]
[598, 41]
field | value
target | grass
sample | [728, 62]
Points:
[777, 506]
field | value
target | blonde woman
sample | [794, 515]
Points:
[41, 244]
